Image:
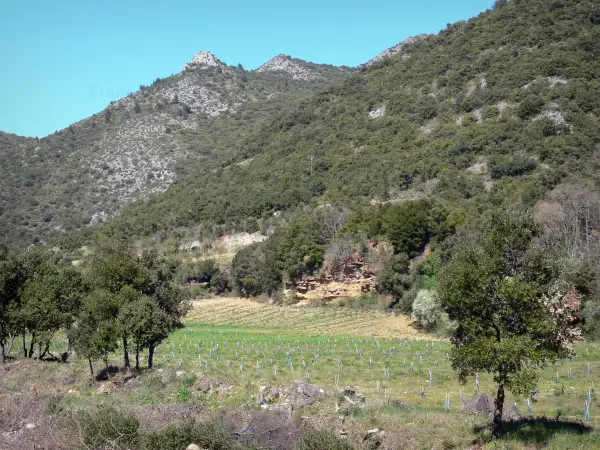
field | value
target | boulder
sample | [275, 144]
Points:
[303, 394]
[482, 403]
[193, 447]
[511, 413]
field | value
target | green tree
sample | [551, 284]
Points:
[255, 271]
[148, 325]
[96, 331]
[511, 307]
[11, 278]
[117, 270]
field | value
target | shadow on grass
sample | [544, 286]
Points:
[538, 431]
[107, 372]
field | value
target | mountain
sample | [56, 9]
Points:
[495, 110]
[143, 143]
[396, 49]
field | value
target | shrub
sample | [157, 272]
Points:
[108, 427]
[426, 310]
[321, 440]
[205, 435]
[529, 107]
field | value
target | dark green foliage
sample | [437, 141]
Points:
[409, 226]
[394, 277]
[513, 167]
[511, 307]
[205, 271]
[255, 271]
[12, 276]
[530, 106]
[299, 248]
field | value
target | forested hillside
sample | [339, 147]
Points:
[495, 110]
[141, 144]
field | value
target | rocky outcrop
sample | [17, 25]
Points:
[396, 49]
[204, 58]
[284, 63]
[350, 279]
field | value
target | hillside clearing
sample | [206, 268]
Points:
[253, 316]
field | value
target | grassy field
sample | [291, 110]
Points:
[248, 346]
[378, 355]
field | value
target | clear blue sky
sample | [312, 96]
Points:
[64, 60]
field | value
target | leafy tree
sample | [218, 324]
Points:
[410, 225]
[116, 270]
[11, 278]
[148, 325]
[96, 331]
[255, 271]
[512, 309]
[426, 310]
[298, 248]
[41, 310]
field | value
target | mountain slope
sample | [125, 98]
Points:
[495, 110]
[140, 144]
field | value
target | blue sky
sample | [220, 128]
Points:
[65, 60]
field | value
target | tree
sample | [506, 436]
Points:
[512, 309]
[148, 325]
[426, 310]
[11, 278]
[255, 271]
[117, 270]
[95, 333]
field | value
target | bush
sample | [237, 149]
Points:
[321, 440]
[219, 283]
[513, 168]
[531, 106]
[367, 301]
[426, 310]
[108, 427]
[205, 435]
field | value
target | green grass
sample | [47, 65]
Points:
[215, 352]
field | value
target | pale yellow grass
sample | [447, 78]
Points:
[285, 319]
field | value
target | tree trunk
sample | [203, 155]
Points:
[497, 427]
[150, 356]
[31, 345]
[24, 345]
[126, 353]
[91, 367]
[2, 351]
[10, 346]
[137, 359]
[46, 350]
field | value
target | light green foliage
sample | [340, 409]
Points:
[426, 310]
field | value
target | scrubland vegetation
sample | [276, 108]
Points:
[456, 184]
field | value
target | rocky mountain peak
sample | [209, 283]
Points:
[285, 63]
[398, 48]
[205, 58]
